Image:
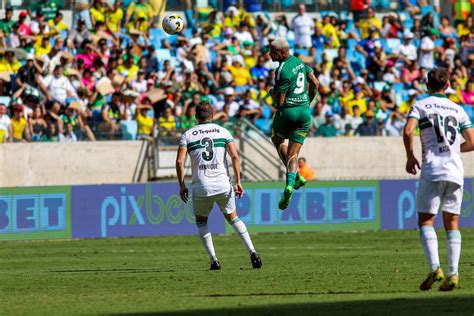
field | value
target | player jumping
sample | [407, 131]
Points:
[293, 117]
[441, 124]
[207, 144]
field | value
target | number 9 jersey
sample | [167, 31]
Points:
[291, 78]
[441, 123]
[206, 144]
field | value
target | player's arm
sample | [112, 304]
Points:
[234, 155]
[180, 158]
[468, 145]
[408, 132]
[314, 82]
[283, 86]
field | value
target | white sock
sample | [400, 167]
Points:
[206, 239]
[454, 250]
[241, 230]
[429, 240]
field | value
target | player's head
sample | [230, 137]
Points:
[438, 80]
[204, 112]
[279, 49]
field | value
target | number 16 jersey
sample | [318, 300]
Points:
[206, 144]
[441, 123]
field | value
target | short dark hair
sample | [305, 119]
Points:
[303, 159]
[437, 79]
[204, 111]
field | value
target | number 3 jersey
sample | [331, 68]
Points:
[441, 123]
[206, 144]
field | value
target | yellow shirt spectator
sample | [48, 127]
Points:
[145, 124]
[141, 27]
[361, 102]
[5, 66]
[167, 124]
[57, 28]
[241, 75]
[137, 8]
[40, 50]
[97, 14]
[405, 107]
[330, 32]
[366, 24]
[114, 19]
[131, 73]
[18, 127]
[261, 96]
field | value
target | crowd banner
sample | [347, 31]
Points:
[155, 209]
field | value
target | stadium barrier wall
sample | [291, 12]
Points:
[132, 210]
[108, 162]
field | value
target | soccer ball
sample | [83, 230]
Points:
[172, 24]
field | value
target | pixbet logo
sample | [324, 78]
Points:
[147, 209]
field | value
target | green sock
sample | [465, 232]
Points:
[290, 179]
[298, 175]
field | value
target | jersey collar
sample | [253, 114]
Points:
[439, 95]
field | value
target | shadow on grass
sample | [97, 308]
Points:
[121, 270]
[420, 306]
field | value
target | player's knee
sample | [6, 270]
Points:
[200, 220]
[451, 221]
[230, 217]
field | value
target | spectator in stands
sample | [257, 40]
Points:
[37, 125]
[427, 49]
[6, 131]
[359, 8]
[20, 132]
[69, 136]
[6, 24]
[140, 9]
[167, 123]
[54, 133]
[305, 169]
[56, 25]
[249, 108]
[468, 93]
[370, 22]
[145, 122]
[319, 40]
[58, 86]
[395, 123]
[111, 116]
[303, 26]
[367, 128]
[327, 129]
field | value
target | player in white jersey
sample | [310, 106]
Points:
[442, 123]
[207, 145]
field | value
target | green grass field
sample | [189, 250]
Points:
[303, 274]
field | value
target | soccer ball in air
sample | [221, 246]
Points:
[172, 24]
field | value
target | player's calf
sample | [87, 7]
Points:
[241, 229]
[206, 239]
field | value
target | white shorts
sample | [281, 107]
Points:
[203, 205]
[444, 195]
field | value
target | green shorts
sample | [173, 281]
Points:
[292, 123]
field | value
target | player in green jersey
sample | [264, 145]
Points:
[293, 117]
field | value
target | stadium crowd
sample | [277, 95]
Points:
[115, 74]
